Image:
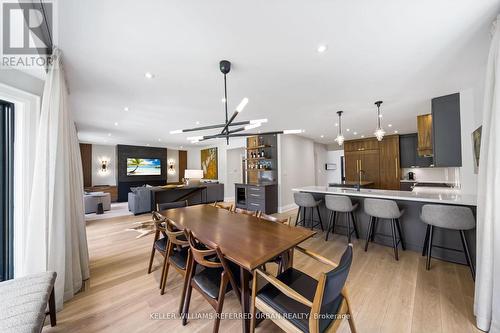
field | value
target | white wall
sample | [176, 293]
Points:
[296, 167]
[19, 80]
[449, 175]
[194, 159]
[333, 157]
[320, 159]
[100, 152]
[173, 155]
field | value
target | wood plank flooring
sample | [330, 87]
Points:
[387, 295]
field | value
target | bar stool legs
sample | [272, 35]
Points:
[396, 234]
[370, 232]
[301, 219]
[467, 254]
[332, 222]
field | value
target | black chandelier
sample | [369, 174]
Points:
[227, 132]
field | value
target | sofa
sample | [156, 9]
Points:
[23, 303]
[139, 200]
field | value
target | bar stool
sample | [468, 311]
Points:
[339, 204]
[452, 218]
[305, 201]
[389, 210]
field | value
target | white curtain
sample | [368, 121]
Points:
[487, 295]
[56, 237]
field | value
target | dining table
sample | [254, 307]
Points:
[245, 240]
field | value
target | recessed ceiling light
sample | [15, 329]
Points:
[348, 130]
[148, 145]
[125, 108]
[197, 123]
[109, 134]
[116, 124]
[159, 140]
[223, 100]
[336, 124]
[380, 116]
[149, 75]
[322, 136]
[181, 147]
[390, 125]
[355, 133]
[322, 48]
[362, 136]
[396, 132]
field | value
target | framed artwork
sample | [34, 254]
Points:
[476, 142]
[209, 163]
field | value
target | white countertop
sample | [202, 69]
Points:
[427, 181]
[440, 197]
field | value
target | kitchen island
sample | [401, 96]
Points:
[413, 228]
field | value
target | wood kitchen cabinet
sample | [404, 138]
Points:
[351, 160]
[365, 160]
[390, 163]
[424, 128]
[362, 144]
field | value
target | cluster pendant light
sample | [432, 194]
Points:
[379, 132]
[340, 138]
[227, 132]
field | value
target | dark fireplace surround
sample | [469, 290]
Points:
[125, 182]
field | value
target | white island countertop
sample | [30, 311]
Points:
[439, 197]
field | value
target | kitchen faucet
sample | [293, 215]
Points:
[358, 187]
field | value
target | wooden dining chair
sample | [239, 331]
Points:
[297, 302]
[177, 255]
[222, 205]
[246, 212]
[282, 258]
[212, 282]
[160, 240]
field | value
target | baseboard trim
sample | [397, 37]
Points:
[287, 208]
[229, 199]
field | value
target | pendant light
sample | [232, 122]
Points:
[379, 132]
[340, 138]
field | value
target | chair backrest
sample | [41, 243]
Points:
[175, 236]
[246, 212]
[285, 220]
[338, 203]
[159, 222]
[332, 283]
[449, 217]
[201, 253]
[171, 205]
[304, 199]
[222, 205]
[382, 208]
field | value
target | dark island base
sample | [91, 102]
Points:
[413, 230]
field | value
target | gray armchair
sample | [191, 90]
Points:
[139, 200]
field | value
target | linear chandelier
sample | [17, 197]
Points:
[241, 126]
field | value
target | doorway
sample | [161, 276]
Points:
[234, 170]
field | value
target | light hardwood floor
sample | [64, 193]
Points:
[386, 295]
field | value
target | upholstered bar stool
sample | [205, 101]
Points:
[381, 209]
[306, 202]
[448, 217]
[341, 205]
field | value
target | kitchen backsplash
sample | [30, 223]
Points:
[451, 175]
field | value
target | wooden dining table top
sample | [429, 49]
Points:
[245, 240]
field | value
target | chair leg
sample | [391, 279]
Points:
[429, 248]
[394, 242]
[426, 240]
[297, 218]
[467, 254]
[151, 259]
[354, 224]
[374, 229]
[253, 310]
[186, 281]
[164, 282]
[311, 216]
[52, 308]
[189, 289]
[400, 232]
[369, 235]
[330, 216]
[220, 302]
[335, 218]
[163, 271]
[320, 220]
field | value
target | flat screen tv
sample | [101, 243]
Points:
[143, 167]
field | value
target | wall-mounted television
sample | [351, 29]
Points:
[143, 167]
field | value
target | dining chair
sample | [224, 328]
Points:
[160, 240]
[177, 254]
[297, 302]
[282, 259]
[246, 212]
[222, 205]
[212, 282]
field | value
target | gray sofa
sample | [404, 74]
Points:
[139, 200]
[23, 302]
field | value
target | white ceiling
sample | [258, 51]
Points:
[402, 52]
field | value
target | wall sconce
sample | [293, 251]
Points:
[171, 167]
[104, 167]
